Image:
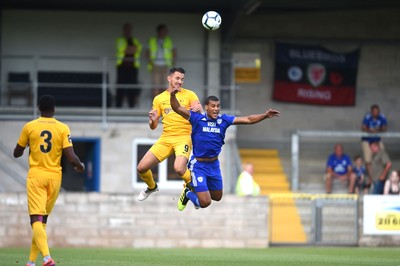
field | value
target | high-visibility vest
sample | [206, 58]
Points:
[168, 51]
[122, 44]
[246, 185]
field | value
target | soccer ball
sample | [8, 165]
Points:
[211, 20]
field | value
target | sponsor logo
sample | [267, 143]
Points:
[388, 218]
[295, 73]
[316, 74]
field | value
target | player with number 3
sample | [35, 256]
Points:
[48, 139]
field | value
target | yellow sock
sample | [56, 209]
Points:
[186, 176]
[34, 252]
[148, 179]
[40, 238]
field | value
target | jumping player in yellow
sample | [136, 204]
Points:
[176, 132]
[48, 139]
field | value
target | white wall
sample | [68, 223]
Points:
[93, 34]
[375, 32]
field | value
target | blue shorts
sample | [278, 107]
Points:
[205, 175]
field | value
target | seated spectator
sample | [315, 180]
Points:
[378, 168]
[392, 185]
[361, 181]
[338, 166]
[246, 186]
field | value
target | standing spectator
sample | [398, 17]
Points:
[379, 167]
[373, 122]
[161, 55]
[48, 140]
[392, 185]
[338, 166]
[362, 182]
[128, 50]
[246, 185]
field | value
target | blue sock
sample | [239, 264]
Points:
[193, 198]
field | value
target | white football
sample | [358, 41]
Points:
[211, 20]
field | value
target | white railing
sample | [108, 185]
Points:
[295, 147]
[106, 66]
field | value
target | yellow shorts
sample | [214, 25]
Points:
[42, 194]
[165, 146]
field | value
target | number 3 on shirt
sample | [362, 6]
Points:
[46, 135]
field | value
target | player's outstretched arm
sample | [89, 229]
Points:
[177, 107]
[73, 159]
[252, 119]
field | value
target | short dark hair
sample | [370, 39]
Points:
[358, 156]
[211, 98]
[172, 70]
[374, 106]
[46, 103]
[161, 27]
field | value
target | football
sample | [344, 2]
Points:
[211, 20]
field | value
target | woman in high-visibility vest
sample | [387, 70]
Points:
[246, 186]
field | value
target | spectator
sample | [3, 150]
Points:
[392, 185]
[359, 179]
[338, 166]
[373, 122]
[161, 56]
[246, 186]
[378, 168]
[128, 50]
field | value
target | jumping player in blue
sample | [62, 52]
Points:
[208, 134]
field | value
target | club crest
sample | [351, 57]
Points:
[316, 74]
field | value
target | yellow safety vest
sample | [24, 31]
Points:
[122, 44]
[239, 189]
[168, 51]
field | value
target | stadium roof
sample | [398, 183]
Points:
[199, 6]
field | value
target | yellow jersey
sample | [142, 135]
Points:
[46, 137]
[173, 123]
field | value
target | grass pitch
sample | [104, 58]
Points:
[275, 256]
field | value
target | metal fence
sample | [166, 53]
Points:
[105, 85]
[313, 219]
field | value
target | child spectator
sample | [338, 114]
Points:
[392, 184]
[362, 182]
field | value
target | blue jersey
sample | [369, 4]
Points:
[339, 165]
[370, 122]
[359, 171]
[208, 134]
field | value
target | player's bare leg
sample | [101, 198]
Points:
[216, 195]
[180, 167]
[146, 163]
